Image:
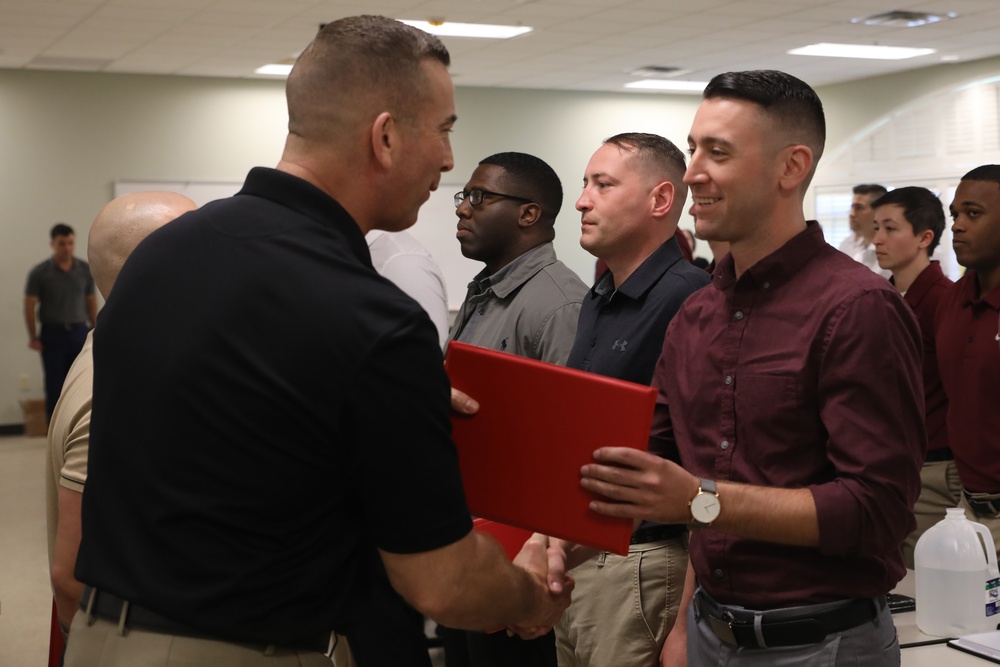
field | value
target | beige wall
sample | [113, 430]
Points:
[65, 138]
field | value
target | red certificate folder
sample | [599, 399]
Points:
[537, 424]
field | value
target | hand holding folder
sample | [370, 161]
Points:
[537, 425]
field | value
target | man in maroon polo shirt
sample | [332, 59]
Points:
[908, 226]
[791, 389]
[967, 335]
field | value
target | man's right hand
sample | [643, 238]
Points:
[534, 559]
[35, 344]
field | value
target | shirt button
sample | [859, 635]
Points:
[766, 285]
[719, 574]
[729, 379]
[738, 316]
[724, 444]
[605, 310]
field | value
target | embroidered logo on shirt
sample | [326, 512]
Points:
[503, 345]
[619, 345]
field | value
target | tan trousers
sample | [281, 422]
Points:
[992, 524]
[940, 489]
[623, 607]
[102, 645]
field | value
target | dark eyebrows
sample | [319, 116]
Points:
[711, 141]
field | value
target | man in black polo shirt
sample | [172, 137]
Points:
[271, 417]
[633, 196]
[59, 294]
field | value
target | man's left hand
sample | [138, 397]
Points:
[640, 485]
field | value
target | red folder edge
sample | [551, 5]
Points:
[538, 423]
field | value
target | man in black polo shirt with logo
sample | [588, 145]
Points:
[633, 196]
[270, 428]
[59, 294]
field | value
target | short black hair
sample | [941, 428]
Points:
[532, 178]
[655, 151]
[61, 229]
[921, 208]
[873, 190]
[986, 172]
[793, 105]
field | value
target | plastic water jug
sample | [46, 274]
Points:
[957, 584]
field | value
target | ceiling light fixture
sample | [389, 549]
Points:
[474, 30]
[904, 19]
[871, 52]
[658, 72]
[668, 85]
[274, 69]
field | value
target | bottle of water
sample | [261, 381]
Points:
[957, 578]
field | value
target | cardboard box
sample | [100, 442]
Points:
[35, 423]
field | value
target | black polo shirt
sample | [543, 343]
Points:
[620, 332]
[268, 411]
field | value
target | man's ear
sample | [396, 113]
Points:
[663, 198]
[925, 238]
[797, 163]
[384, 138]
[530, 214]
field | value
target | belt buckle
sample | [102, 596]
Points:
[723, 628]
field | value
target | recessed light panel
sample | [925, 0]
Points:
[475, 30]
[669, 85]
[871, 52]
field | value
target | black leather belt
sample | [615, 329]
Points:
[65, 326]
[939, 454]
[109, 607]
[784, 627]
[656, 533]
[984, 505]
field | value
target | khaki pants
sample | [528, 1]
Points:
[992, 524]
[940, 489]
[623, 606]
[100, 644]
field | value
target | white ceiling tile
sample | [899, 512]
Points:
[576, 44]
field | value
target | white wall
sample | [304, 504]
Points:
[66, 138]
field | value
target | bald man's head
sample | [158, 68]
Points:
[122, 224]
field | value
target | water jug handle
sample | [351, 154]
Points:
[991, 549]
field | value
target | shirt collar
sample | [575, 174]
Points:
[970, 290]
[308, 200]
[515, 274]
[643, 278]
[926, 279]
[777, 268]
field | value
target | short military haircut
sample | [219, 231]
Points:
[60, 229]
[656, 154]
[921, 208]
[532, 178]
[986, 172]
[872, 190]
[356, 60]
[792, 105]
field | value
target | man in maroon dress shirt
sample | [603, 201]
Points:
[791, 389]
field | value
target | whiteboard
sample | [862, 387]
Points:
[435, 228]
[200, 192]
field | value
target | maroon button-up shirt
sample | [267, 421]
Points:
[969, 358]
[802, 373]
[924, 296]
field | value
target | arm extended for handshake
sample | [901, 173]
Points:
[471, 585]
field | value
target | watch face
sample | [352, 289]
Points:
[705, 507]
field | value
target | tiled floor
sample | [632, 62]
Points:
[25, 595]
